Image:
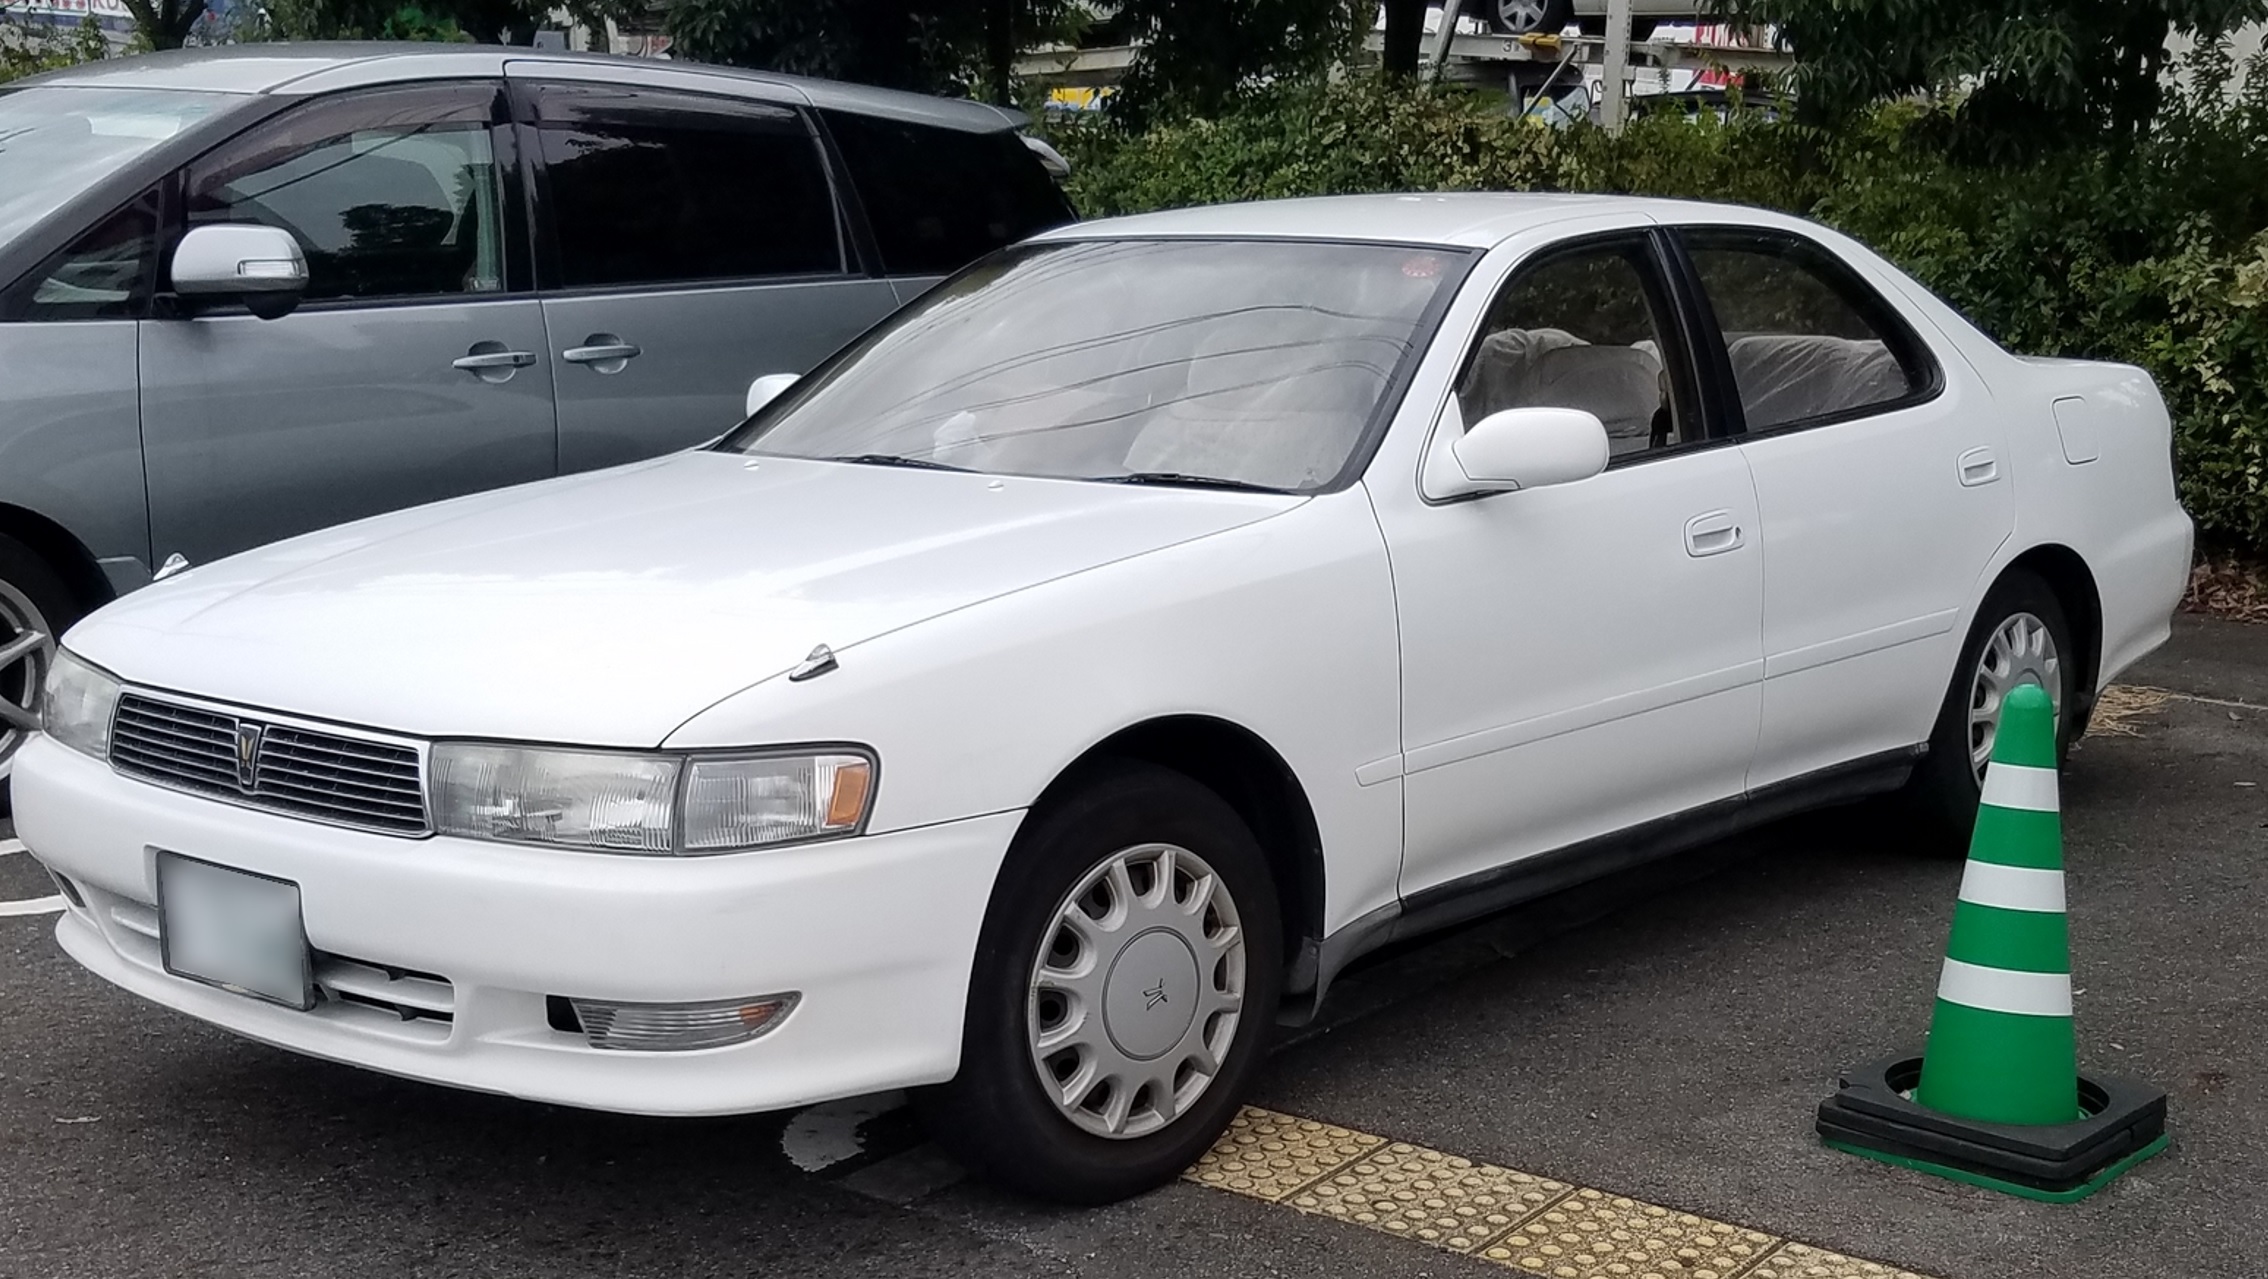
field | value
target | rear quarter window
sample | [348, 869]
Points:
[938, 199]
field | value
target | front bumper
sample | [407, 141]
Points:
[876, 933]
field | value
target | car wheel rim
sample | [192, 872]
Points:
[27, 648]
[1137, 990]
[1520, 15]
[2021, 651]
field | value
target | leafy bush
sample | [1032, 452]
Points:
[2154, 254]
[28, 47]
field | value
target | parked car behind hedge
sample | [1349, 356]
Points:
[248, 292]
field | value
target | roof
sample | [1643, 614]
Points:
[289, 68]
[1471, 219]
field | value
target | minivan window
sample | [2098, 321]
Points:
[108, 273]
[391, 194]
[57, 141]
[939, 199]
[649, 187]
[1256, 363]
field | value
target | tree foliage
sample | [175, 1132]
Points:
[2023, 73]
[28, 47]
[930, 46]
[1199, 55]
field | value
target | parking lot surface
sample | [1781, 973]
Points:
[1664, 1036]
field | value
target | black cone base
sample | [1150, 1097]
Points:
[1870, 1115]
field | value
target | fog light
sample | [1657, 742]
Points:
[665, 1028]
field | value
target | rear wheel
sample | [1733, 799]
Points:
[1125, 983]
[1521, 17]
[2020, 637]
[35, 606]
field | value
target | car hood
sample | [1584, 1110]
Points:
[610, 608]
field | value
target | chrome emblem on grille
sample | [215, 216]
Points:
[248, 735]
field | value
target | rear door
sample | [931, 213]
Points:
[1882, 483]
[360, 401]
[691, 243]
[938, 198]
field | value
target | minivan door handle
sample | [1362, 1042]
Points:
[1712, 534]
[492, 361]
[603, 352]
[1978, 466]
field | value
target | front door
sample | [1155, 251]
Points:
[413, 369]
[694, 244]
[1579, 659]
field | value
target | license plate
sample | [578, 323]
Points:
[233, 929]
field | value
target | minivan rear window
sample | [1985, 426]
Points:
[938, 199]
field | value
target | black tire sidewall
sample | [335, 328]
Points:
[994, 1114]
[1944, 792]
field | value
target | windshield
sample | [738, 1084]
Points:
[58, 140]
[1253, 363]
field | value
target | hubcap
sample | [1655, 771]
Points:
[27, 648]
[2021, 651]
[1137, 990]
[1521, 16]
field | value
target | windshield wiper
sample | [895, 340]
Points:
[1180, 479]
[892, 459]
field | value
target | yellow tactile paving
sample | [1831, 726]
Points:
[1530, 1224]
[1441, 1199]
[1267, 1155]
[1801, 1261]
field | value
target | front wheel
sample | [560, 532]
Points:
[1125, 982]
[2020, 636]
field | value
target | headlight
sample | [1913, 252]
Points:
[653, 804]
[77, 704]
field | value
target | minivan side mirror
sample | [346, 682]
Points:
[260, 266]
[1515, 449]
[767, 388]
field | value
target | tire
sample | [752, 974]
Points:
[996, 1115]
[1942, 795]
[1521, 17]
[33, 599]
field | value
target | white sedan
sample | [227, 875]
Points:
[1054, 690]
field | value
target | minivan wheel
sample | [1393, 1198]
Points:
[2020, 636]
[1520, 17]
[1125, 984]
[34, 609]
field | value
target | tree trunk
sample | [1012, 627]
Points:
[1405, 31]
[1000, 49]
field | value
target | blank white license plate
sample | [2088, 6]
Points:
[233, 929]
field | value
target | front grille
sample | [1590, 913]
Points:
[327, 777]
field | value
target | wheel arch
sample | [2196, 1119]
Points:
[2066, 573]
[62, 552]
[1242, 768]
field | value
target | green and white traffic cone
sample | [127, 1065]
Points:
[2000, 1043]
[1997, 1099]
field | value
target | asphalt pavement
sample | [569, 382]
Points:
[1665, 1035]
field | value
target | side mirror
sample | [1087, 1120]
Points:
[767, 388]
[260, 266]
[1515, 449]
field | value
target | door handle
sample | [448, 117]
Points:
[492, 362]
[1712, 534]
[603, 352]
[1978, 466]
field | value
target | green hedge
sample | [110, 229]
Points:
[2157, 256]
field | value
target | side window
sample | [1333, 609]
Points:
[1806, 339]
[649, 187]
[106, 274]
[939, 199]
[1584, 329]
[391, 194]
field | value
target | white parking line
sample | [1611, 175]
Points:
[8, 846]
[35, 906]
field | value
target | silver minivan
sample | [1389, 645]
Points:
[252, 291]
